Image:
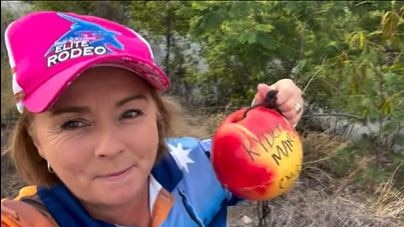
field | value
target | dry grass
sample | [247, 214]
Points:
[307, 207]
[320, 147]
[322, 199]
[312, 204]
[10, 181]
[191, 122]
[7, 98]
[389, 201]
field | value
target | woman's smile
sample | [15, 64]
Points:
[116, 175]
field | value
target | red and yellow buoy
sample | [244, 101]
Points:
[257, 156]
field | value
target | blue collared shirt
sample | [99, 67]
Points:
[186, 173]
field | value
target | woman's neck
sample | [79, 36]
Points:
[132, 213]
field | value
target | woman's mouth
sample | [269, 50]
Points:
[117, 175]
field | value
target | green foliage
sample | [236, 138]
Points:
[242, 43]
[158, 18]
[365, 75]
[113, 10]
[347, 55]
[162, 24]
[68, 6]
[373, 164]
[370, 176]
[397, 168]
[341, 162]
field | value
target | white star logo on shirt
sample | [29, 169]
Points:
[181, 156]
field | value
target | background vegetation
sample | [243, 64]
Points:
[348, 58]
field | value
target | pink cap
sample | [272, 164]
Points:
[48, 50]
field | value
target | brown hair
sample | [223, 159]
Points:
[33, 168]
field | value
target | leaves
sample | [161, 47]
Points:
[348, 55]
[389, 24]
[266, 28]
[248, 37]
[357, 40]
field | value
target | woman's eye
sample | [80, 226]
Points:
[131, 114]
[73, 124]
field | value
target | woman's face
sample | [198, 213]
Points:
[101, 136]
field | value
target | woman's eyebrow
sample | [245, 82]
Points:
[69, 109]
[82, 109]
[130, 98]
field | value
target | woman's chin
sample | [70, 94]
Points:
[121, 189]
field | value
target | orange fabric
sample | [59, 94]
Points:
[26, 191]
[15, 213]
[9, 217]
[161, 207]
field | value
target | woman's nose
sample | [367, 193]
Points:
[109, 143]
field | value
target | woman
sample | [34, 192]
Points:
[93, 133]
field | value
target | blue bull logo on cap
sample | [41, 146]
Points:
[83, 39]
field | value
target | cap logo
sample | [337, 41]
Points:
[83, 39]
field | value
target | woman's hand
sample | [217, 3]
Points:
[289, 98]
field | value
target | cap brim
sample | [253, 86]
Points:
[45, 95]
